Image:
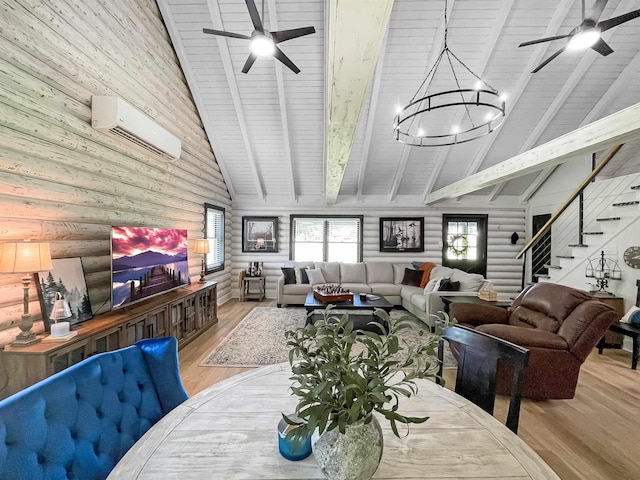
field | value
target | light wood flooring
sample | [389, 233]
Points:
[596, 435]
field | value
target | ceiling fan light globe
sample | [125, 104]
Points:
[262, 46]
[584, 39]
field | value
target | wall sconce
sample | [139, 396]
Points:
[202, 246]
[28, 258]
[603, 270]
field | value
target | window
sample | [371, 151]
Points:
[464, 242]
[214, 232]
[333, 238]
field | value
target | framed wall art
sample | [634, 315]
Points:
[259, 234]
[402, 234]
[66, 277]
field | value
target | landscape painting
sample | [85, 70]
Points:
[146, 262]
[66, 277]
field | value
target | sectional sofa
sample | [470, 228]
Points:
[379, 278]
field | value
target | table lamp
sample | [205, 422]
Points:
[60, 311]
[202, 246]
[27, 258]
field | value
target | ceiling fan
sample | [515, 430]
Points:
[587, 34]
[264, 42]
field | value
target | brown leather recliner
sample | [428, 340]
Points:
[558, 324]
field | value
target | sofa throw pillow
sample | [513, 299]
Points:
[315, 276]
[301, 275]
[289, 275]
[448, 285]
[627, 316]
[412, 277]
[635, 318]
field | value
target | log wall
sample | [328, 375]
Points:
[63, 182]
[502, 267]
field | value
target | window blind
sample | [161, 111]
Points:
[326, 239]
[214, 232]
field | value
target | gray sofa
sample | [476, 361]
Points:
[382, 278]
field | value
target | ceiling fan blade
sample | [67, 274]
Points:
[602, 48]
[596, 10]
[543, 64]
[284, 35]
[225, 34]
[255, 17]
[284, 59]
[542, 40]
[249, 63]
[615, 21]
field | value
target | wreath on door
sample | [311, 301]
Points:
[458, 244]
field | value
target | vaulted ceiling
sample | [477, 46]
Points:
[325, 135]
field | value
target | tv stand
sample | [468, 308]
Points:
[183, 313]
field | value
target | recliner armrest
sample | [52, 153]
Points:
[473, 314]
[526, 337]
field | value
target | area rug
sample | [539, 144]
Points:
[259, 340]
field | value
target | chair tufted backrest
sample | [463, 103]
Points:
[78, 423]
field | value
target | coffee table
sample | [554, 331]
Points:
[364, 308]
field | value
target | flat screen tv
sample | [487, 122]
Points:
[146, 262]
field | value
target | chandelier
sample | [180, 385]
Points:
[429, 120]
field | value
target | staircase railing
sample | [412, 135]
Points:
[570, 200]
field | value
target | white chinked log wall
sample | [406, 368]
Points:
[62, 181]
[502, 267]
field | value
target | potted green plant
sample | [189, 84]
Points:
[343, 376]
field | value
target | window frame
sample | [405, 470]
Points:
[359, 218]
[209, 268]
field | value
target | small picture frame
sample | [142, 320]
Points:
[66, 277]
[402, 234]
[259, 234]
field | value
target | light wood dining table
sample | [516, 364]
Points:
[229, 431]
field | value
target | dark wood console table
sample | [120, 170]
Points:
[183, 313]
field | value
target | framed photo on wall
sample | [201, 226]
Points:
[66, 277]
[402, 234]
[259, 234]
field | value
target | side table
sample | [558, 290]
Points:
[613, 338]
[252, 288]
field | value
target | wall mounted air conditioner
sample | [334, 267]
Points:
[113, 115]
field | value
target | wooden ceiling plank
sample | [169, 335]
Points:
[178, 45]
[538, 55]
[497, 190]
[223, 46]
[615, 128]
[400, 168]
[282, 101]
[353, 53]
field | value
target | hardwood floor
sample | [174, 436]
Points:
[593, 436]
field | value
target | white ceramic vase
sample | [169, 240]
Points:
[354, 455]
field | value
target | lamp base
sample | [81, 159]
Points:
[23, 341]
[26, 336]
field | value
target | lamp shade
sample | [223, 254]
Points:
[201, 246]
[24, 257]
[60, 309]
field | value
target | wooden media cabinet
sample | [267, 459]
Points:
[183, 313]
